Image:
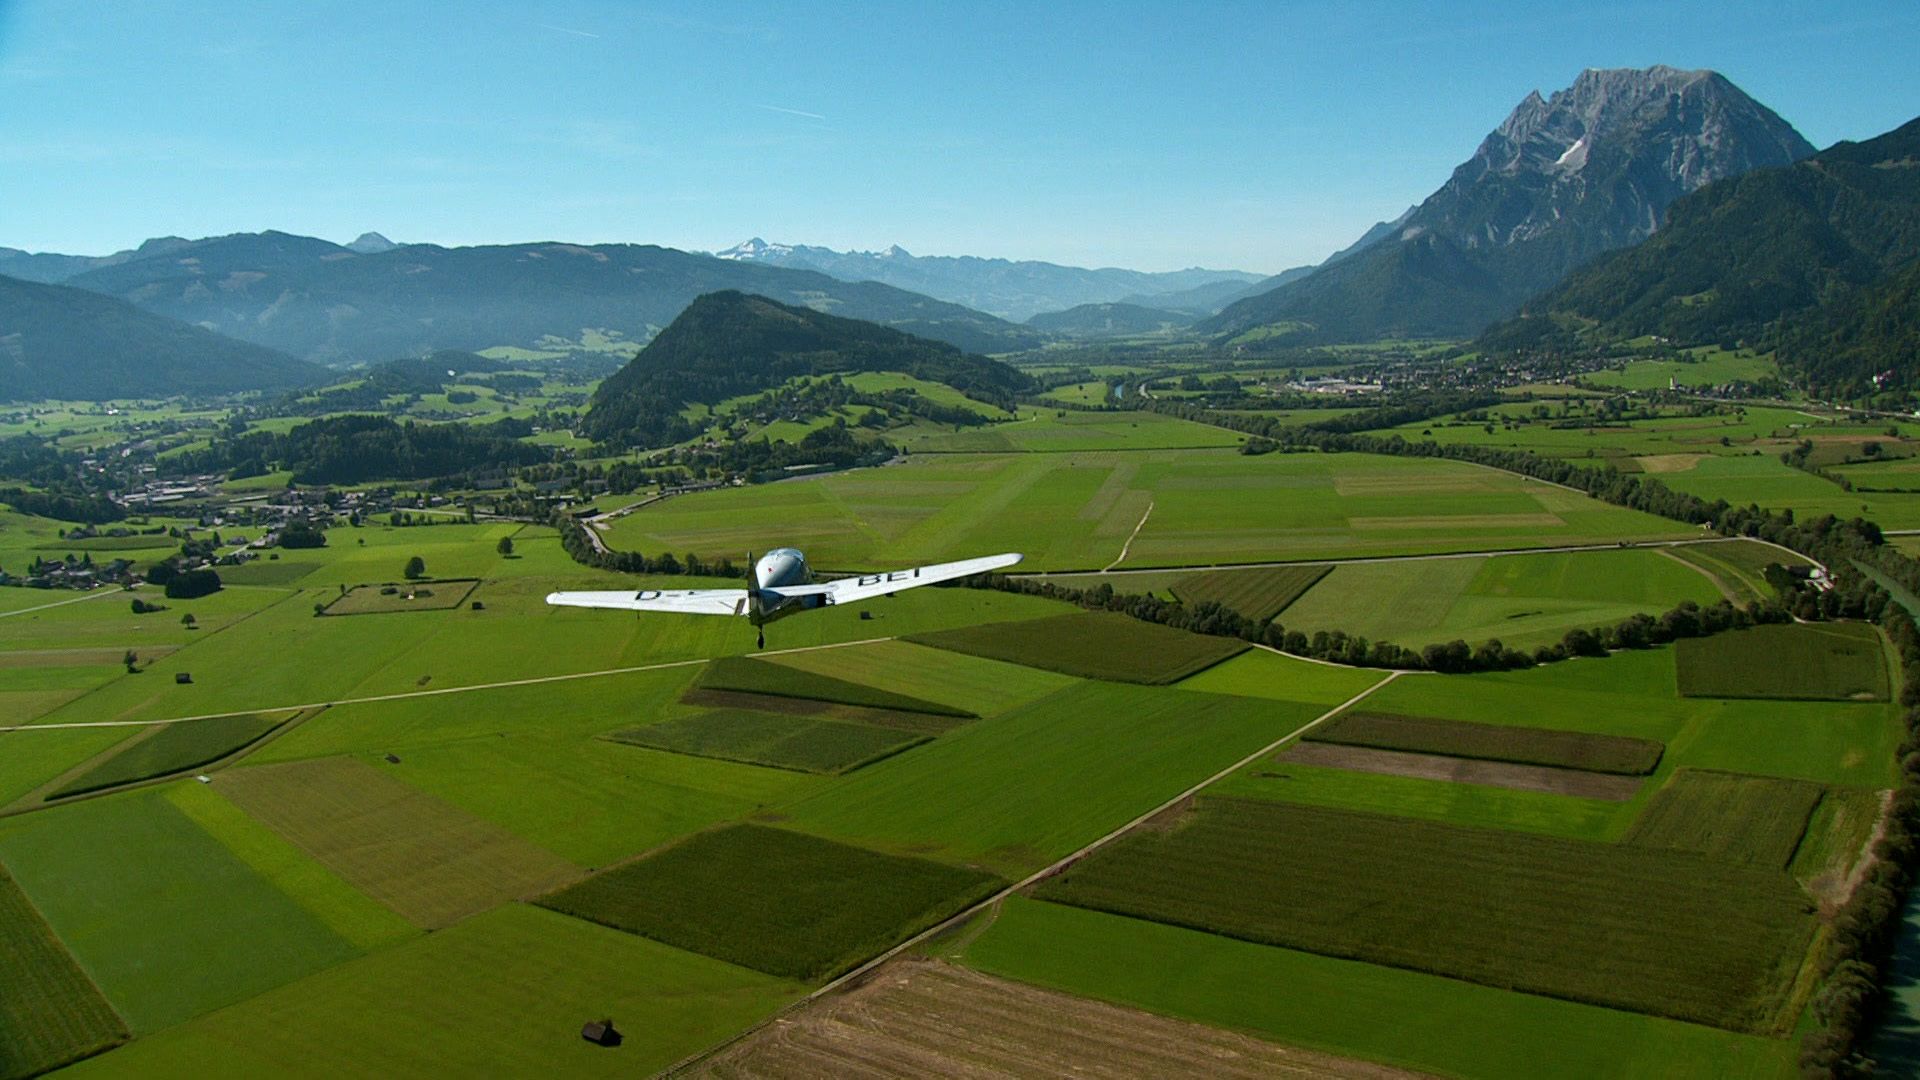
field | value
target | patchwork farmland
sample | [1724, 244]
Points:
[530, 817]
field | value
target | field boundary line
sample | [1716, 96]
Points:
[405, 694]
[1352, 560]
[94, 595]
[1128, 546]
[995, 899]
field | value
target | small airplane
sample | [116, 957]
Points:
[781, 585]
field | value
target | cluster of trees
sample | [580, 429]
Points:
[355, 447]
[1855, 963]
[300, 534]
[182, 584]
[573, 539]
[92, 509]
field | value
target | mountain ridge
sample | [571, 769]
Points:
[1560, 181]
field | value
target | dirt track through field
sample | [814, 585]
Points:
[924, 1018]
[1578, 782]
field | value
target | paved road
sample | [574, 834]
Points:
[1035, 877]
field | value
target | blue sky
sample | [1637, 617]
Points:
[1257, 136]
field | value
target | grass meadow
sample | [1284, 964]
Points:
[800, 743]
[1614, 925]
[503, 993]
[1080, 510]
[430, 862]
[171, 749]
[50, 1012]
[1259, 594]
[1521, 600]
[815, 909]
[1391, 1015]
[1093, 645]
[1824, 662]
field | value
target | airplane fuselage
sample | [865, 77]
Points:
[777, 569]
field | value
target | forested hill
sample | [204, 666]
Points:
[1768, 251]
[727, 344]
[57, 342]
[335, 305]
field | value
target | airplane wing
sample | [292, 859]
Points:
[678, 601]
[867, 586]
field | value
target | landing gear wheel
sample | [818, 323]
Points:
[763, 640]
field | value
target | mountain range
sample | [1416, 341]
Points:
[1014, 290]
[1564, 179]
[1820, 255]
[334, 304]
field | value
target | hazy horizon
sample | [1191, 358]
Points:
[1221, 136]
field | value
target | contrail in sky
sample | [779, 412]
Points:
[791, 112]
[565, 30]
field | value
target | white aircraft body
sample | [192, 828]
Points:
[781, 585]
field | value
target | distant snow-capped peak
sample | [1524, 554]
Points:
[755, 248]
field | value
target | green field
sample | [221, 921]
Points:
[426, 860]
[1016, 791]
[1259, 594]
[985, 687]
[504, 993]
[1612, 925]
[1709, 367]
[1093, 645]
[1493, 742]
[1520, 600]
[164, 919]
[50, 1012]
[738, 674]
[1764, 480]
[1043, 430]
[1738, 567]
[803, 744]
[172, 749]
[1826, 662]
[1391, 1015]
[1750, 820]
[814, 909]
[420, 596]
[1078, 511]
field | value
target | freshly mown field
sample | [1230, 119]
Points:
[801, 743]
[1093, 645]
[1616, 925]
[739, 674]
[502, 994]
[1077, 511]
[165, 919]
[50, 1012]
[776, 901]
[171, 749]
[1406, 1018]
[1259, 594]
[1522, 600]
[1750, 820]
[1792, 661]
[432, 863]
[1493, 742]
[939, 1020]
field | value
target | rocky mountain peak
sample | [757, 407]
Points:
[371, 243]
